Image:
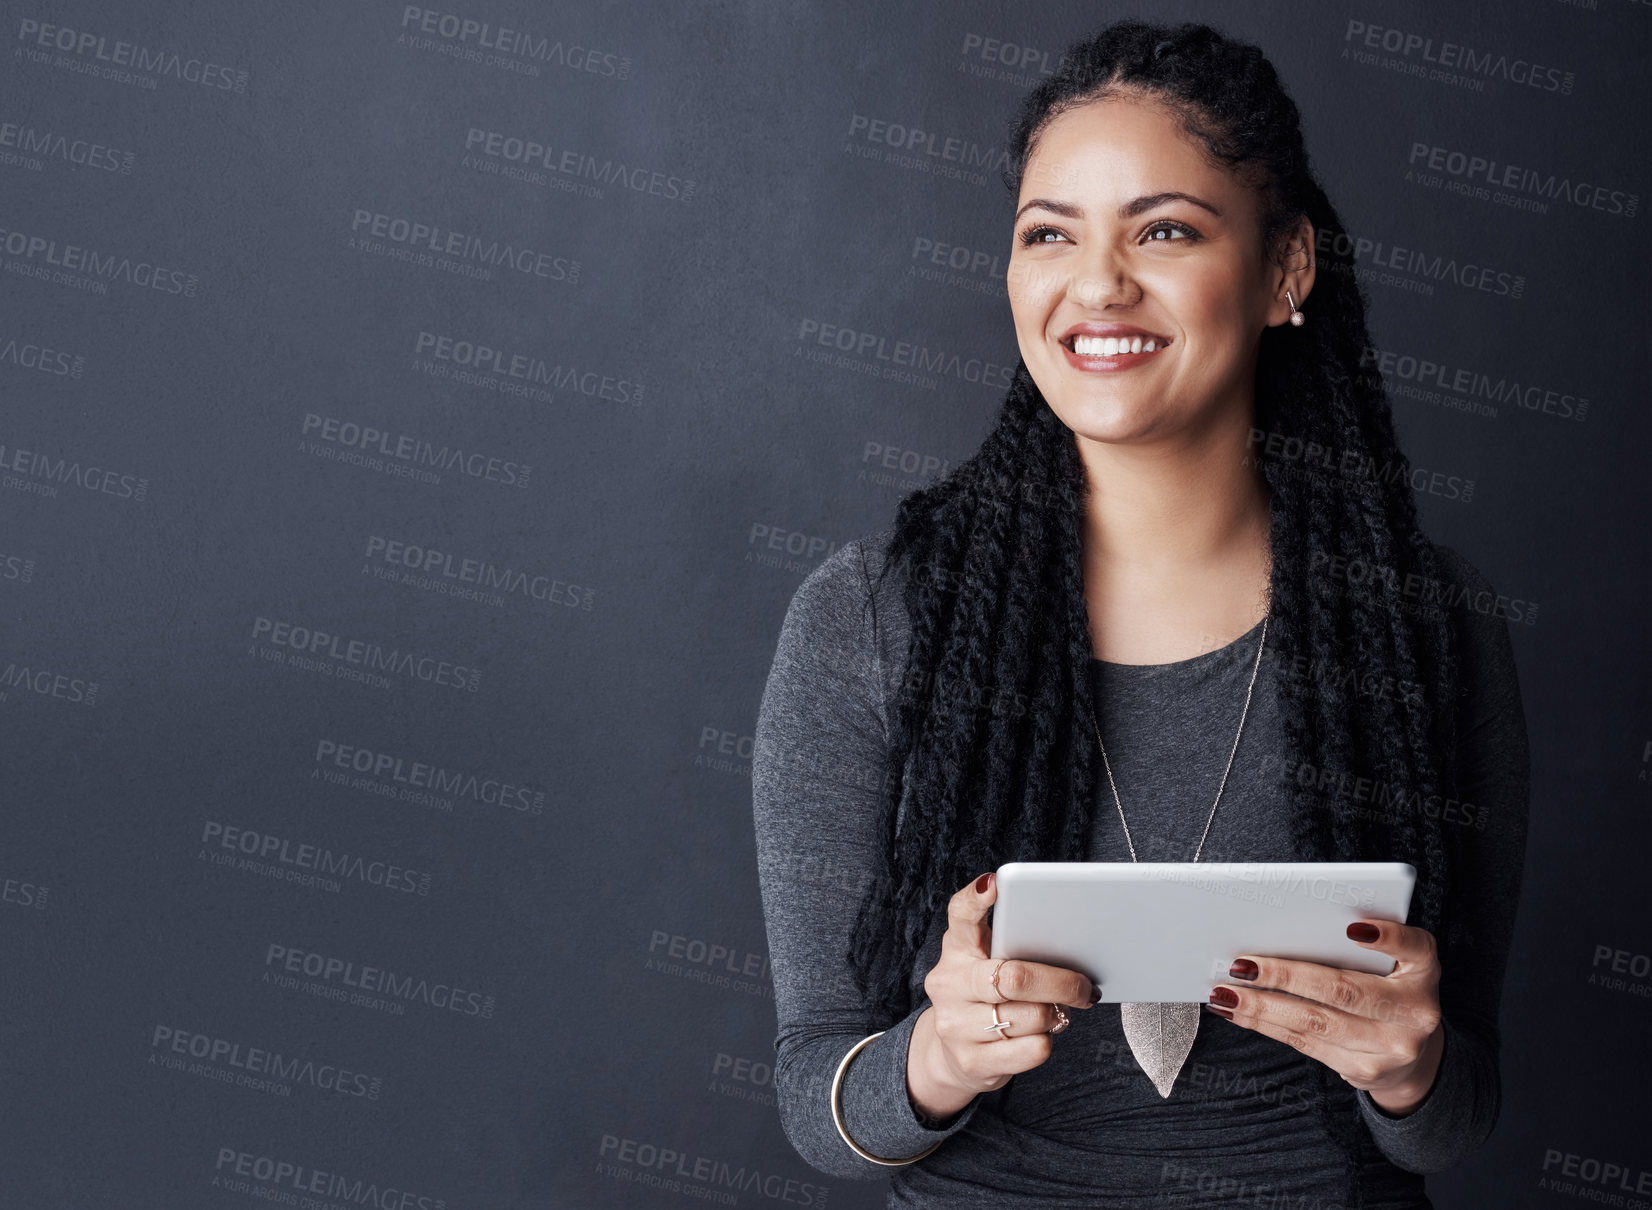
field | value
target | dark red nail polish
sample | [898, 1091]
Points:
[1220, 1011]
[1095, 996]
[1225, 996]
[981, 883]
[1243, 968]
[1360, 931]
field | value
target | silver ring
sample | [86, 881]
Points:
[1062, 1021]
[1000, 1026]
[1002, 998]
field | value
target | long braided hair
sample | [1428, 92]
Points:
[995, 592]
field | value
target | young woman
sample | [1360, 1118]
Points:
[1177, 607]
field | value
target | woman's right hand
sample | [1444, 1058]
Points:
[954, 1052]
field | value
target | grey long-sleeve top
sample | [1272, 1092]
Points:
[1087, 1127]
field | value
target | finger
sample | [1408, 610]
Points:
[1357, 992]
[1021, 1020]
[1412, 948]
[966, 917]
[1037, 982]
[1344, 1043]
[992, 1065]
[1390, 1000]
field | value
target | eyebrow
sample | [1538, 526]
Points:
[1130, 209]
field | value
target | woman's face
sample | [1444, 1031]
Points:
[1124, 227]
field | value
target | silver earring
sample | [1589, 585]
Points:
[1297, 318]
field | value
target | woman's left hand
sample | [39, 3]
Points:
[1382, 1033]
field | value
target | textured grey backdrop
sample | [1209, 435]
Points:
[415, 421]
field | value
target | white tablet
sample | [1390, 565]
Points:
[1167, 931]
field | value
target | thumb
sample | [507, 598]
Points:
[967, 913]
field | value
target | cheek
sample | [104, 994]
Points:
[1032, 294]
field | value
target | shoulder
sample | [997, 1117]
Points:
[846, 627]
[1466, 595]
[1457, 567]
[842, 592]
[834, 610]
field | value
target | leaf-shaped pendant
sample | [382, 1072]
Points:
[1160, 1036]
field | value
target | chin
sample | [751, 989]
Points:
[1101, 419]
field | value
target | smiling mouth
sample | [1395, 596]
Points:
[1086, 347]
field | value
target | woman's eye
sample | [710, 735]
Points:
[1039, 235]
[1166, 231]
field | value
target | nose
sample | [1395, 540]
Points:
[1102, 278]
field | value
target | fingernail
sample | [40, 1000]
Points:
[1225, 996]
[1221, 1012]
[1360, 931]
[982, 883]
[1095, 995]
[1243, 968]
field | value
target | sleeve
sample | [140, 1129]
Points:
[1485, 829]
[818, 787]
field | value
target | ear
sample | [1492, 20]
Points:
[1293, 264]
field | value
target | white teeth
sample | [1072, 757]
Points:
[1111, 346]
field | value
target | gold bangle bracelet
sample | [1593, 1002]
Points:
[837, 1111]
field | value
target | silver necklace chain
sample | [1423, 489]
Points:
[1254, 669]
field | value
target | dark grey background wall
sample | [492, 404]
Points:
[415, 421]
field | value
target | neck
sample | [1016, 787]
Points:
[1176, 508]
